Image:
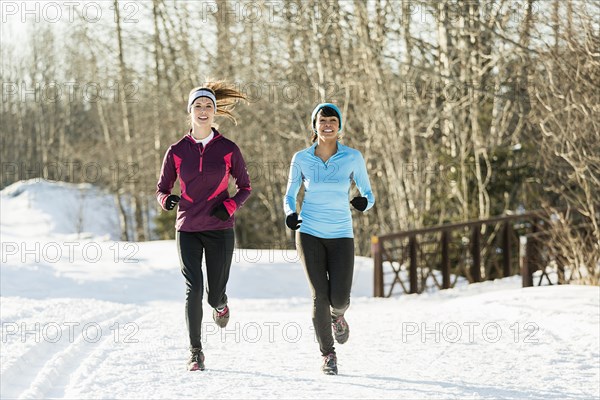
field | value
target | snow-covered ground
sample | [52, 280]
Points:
[85, 316]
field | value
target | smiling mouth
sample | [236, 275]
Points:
[327, 130]
[202, 118]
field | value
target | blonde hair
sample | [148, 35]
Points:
[227, 96]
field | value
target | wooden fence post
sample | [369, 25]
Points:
[507, 249]
[476, 253]
[445, 259]
[524, 261]
[377, 267]
[414, 278]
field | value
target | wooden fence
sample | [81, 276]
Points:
[438, 257]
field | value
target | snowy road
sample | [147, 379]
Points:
[268, 350]
[72, 328]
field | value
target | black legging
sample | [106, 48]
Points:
[218, 246]
[329, 266]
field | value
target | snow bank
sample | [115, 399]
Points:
[37, 207]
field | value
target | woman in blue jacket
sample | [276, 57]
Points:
[324, 236]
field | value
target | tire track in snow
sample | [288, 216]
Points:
[22, 381]
[20, 372]
[159, 353]
[86, 373]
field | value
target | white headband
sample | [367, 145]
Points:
[201, 93]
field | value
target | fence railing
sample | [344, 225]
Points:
[473, 251]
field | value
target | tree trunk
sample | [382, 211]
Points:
[131, 148]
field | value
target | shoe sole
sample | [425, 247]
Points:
[343, 338]
[222, 323]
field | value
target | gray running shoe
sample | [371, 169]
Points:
[341, 330]
[196, 361]
[330, 364]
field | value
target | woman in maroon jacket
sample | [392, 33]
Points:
[203, 160]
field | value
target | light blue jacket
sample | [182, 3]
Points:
[326, 206]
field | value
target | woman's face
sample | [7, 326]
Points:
[327, 127]
[203, 112]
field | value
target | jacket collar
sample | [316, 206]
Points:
[191, 139]
[340, 148]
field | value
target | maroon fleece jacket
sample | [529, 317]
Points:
[203, 176]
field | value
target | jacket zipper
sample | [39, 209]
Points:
[201, 156]
[202, 152]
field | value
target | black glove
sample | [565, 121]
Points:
[172, 201]
[220, 212]
[293, 222]
[360, 203]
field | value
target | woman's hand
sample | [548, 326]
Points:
[293, 222]
[220, 212]
[360, 203]
[171, 201]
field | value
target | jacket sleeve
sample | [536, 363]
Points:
[168, 176]
[239, 172]
[293, 186]
[361, 178]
